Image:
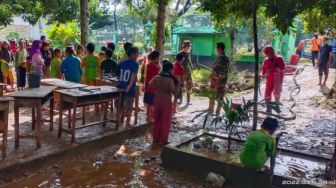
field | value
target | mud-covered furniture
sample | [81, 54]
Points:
[33, 98]
[4, 110]
[2, 88]
[74, 98]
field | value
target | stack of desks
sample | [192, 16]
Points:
[79, 97]
[33, 98]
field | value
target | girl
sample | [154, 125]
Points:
[55, 66]
[166, 86]
[47, 56]
[6, 65]
[21, 56]
[152, 69]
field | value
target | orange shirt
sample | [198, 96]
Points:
[315, 44]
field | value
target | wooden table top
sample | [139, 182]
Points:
[40, 92]
[61, 83]
[88, 91]
[2, 84]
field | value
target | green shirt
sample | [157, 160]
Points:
[186, 63]
[55, 68]
[258, 147]
[91, 67]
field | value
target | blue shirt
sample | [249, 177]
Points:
[124, 72]
[333, 44]
[325, 53]
[71, 69]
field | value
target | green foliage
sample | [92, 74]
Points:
[315, 20]
[13, 36]
[235, 115]
[201, 75]
[61, 35]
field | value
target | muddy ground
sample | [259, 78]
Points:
[136, 162]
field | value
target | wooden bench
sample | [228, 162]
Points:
[4, 110]
[33, 98]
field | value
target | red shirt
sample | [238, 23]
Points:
[152, 70]
[277, 64]
[178, 70]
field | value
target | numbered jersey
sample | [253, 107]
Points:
[125, 70]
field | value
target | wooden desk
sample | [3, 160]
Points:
[33, 98]
[4, 110]
[63, 84]
[114, 82]
[2, 86]
[74, 98]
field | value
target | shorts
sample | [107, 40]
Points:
[149, 98]
[323, 68]
[188, 82]
[126, 103]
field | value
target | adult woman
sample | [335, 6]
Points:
[20, 65]
[36, 60]
[7, 59]
[166, 86]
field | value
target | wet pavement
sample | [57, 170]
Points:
[136, 162]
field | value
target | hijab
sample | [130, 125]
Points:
[35, 49]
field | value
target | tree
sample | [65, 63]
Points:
[160, 25]
[84, 21]
[61, 35]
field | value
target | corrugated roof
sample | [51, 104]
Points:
[195, 30]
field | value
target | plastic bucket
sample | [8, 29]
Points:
[34, 80]
[294, 59]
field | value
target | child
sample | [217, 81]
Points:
[166, 86]
[259, 145]
[21, 56]
[178, 72]
[80, 52]
[70, 66]
[108, 66]
[47, 55]
[152, 69]
[127, 71]
[55, 66]
[6, 66]
[90, 64]
[102, 53]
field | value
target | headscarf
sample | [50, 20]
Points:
[5, 53]
[35, 49]
[269, 50]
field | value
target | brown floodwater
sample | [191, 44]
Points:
[135, 163]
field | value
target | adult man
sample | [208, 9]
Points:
[188, 67]
[70, 66]
[300, 47]
[315, 47]
[273, 70]
[324, 60]
[218, 77]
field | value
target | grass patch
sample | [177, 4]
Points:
[201, 75]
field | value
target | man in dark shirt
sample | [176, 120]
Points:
[108, 66]
[324, 60]
[219, 77]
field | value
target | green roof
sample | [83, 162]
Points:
[195, 30]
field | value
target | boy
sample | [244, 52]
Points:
[91, 65]
[127, 72]
[55, 65]
[108, 66]
[152, 69]
[259, 145]
[324, 60]
[70, 66]
[218, 77]
[178, 72]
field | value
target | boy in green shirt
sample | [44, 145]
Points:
[259, 145]
[91, 64]
[55, 66]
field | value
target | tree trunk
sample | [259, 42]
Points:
[332, 170]
[256, 65]
[84, 24]
[115, 19]
[232, 41]
[160, 26]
